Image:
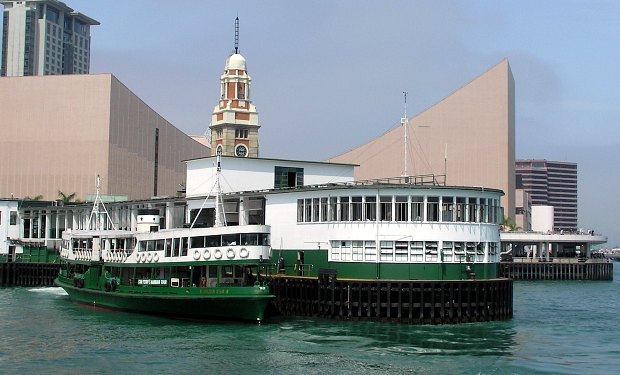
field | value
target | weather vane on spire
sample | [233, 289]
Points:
[237, 34]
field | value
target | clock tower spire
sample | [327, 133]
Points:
[234, 123]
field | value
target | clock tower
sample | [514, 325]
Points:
[234, 123]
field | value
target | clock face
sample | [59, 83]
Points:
[241, 151]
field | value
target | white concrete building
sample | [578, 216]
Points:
[9, 225]
[44, 37]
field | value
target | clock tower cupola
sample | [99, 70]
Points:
[234, 123]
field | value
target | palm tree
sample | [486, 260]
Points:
[36, 198]
[66, 198]
[509, 225]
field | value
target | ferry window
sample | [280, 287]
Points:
[386, 208]
[370, 208]
[197, 242]
[470, 251]
[370, 251]
[183, 246]
[446, 251]
[263, 239]
[356, 208]
[230, 239]
[344, 209]
[227, 271]
[387, 250]
[212, 241]
[308, 210]
[150, 245]
[249, 239]
[168, 247]
[335, 250]
[401, 212]
[176, 249]
[471, 209]
[460, 209]
[159, 245]
[345, 250]
[431, 251]
[417, 252]
[459, 251]
[315, 209]
[357, 252]
[142, 246]
[447, 209]
[333, 208]
[401, 251]
[432, 208]
[483, 215]
[417, 208]
[300, 210]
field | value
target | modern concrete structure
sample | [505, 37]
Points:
[44, 37]
[469, 136]
[234, 125]
[60, 132]
[551, 183]
[523, 212]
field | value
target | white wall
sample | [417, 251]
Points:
[542, 219]
[6, 230]
[248, 174]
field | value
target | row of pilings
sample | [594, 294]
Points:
[411, 301]
[558, 271]
[27, 274]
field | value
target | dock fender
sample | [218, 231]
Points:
[243, 253]
[206, 254]
[217, 254]
[230, 253]
[196, 254]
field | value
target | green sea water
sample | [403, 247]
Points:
[563, 327]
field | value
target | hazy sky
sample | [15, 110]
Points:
[328, 75]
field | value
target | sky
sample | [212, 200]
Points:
[328, 76]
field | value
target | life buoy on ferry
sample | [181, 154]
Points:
[196, 254]
[230, 253]
[218, 254]
[243, 253]
[149, 257]
[155, 257]
[206, 254]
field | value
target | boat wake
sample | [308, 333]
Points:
[49, 290]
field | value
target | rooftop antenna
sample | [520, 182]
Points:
[404, 122]
[95, 213]
[237, 34]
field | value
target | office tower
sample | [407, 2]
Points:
[551, 183]
[44, 37]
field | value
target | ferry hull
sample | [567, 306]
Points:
[234, 303]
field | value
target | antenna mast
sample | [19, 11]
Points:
[237, 34]
[404, 122]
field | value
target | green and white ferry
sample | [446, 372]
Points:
[199, 273]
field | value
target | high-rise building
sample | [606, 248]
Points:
[234, 124]
[44, 37]
[551, 183]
